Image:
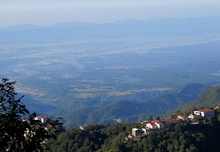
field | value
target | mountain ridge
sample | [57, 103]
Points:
[128, 28]
[209, 98]
[131, 111]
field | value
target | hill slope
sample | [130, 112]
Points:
[131, 111]
[209, 98]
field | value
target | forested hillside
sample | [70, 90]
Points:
[131, 111]
[183, 137]
[196, 135]
[209, 98]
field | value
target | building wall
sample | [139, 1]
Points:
[149, 126]
[197, 113]
[136, 132]
[207, 114]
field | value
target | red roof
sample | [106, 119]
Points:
[182, 116]
[170, 120]
[155, 121]
[39, 117]
[153, 124]
[205, 110]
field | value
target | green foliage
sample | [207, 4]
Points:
[209, 98]
[132, 111]
[150, 118]
[19, 131]
[101, 138]
[93, 138]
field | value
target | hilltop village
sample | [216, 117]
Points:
[199, 130]
[196, 117]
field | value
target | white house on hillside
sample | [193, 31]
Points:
[41, 118]
[191, 116]
[150, 127]
[205, 113]
[154, 124]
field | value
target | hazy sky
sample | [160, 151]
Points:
[45, 12]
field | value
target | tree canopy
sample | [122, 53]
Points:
[19, 131]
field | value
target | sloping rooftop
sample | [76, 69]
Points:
[43, 117]
[205, 110]
[169, 120]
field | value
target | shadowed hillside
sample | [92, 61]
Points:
[209, 98]
[132, 111]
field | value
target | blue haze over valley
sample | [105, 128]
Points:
[87, 72]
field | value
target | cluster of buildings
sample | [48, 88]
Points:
[159, 124]
[42, 119]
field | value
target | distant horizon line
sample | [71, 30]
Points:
[104, 22]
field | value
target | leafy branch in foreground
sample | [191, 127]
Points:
[19, 130]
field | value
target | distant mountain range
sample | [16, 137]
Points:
[122, 29]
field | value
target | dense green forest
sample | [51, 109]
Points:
[127, 110]
[183, 137]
